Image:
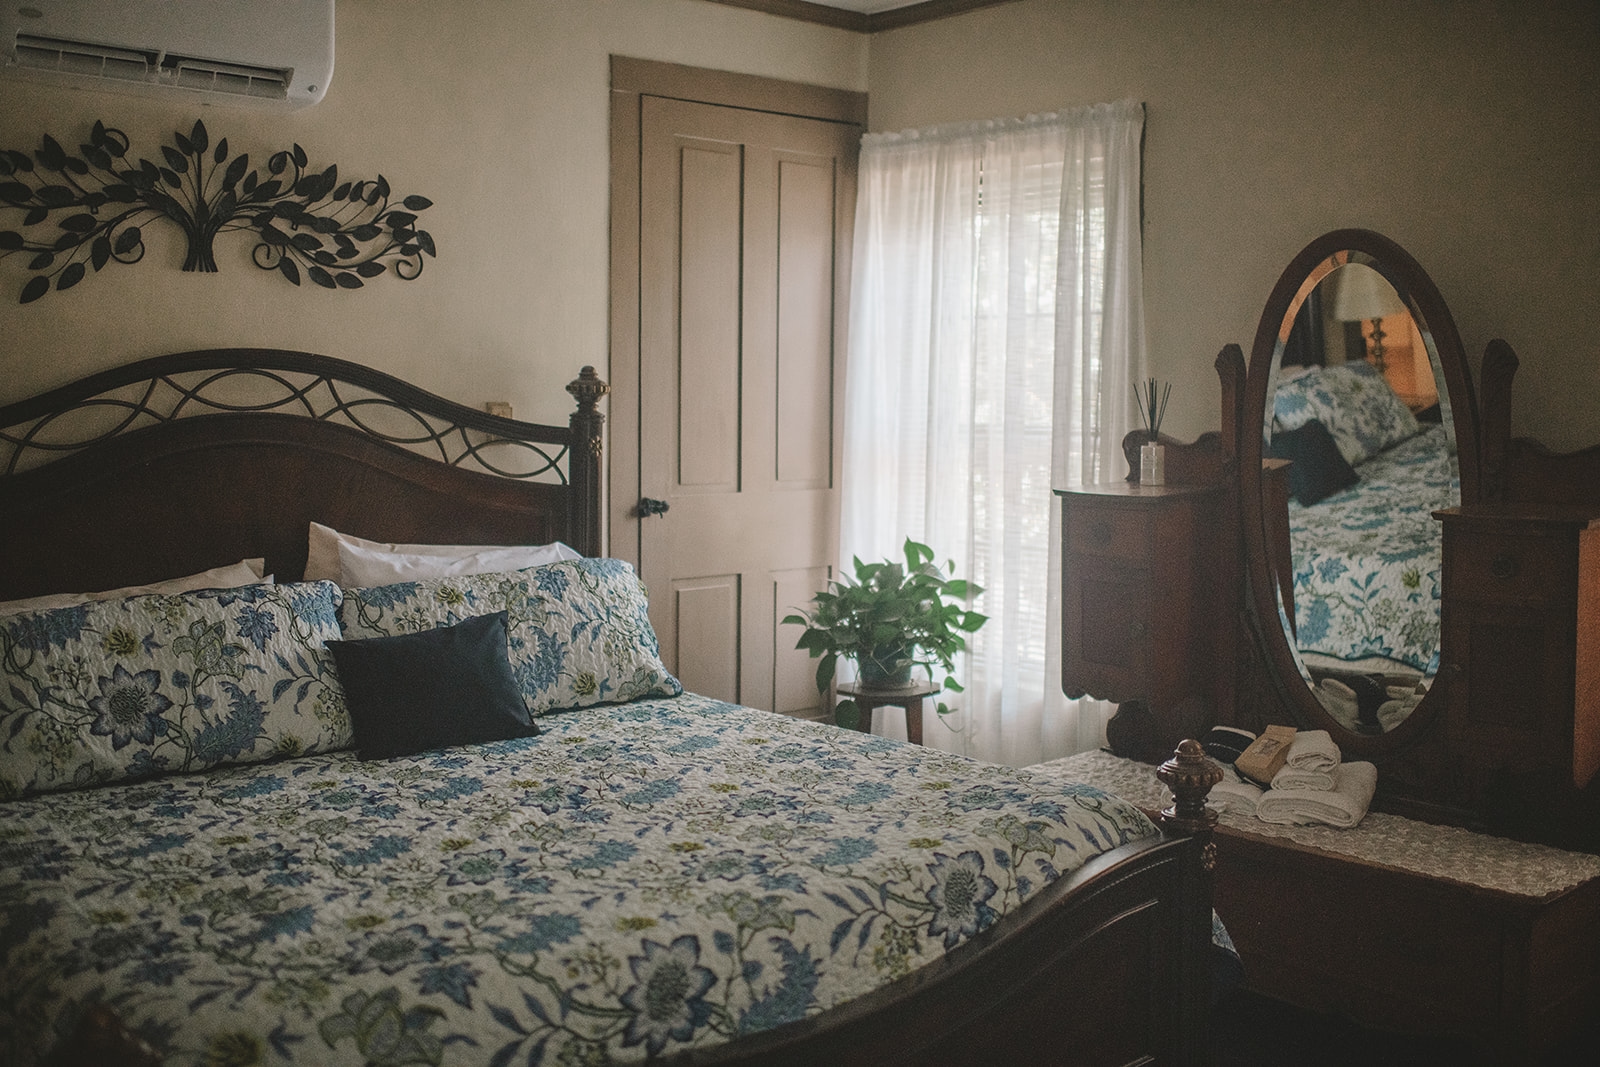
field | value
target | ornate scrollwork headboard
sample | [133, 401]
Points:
[179, 463]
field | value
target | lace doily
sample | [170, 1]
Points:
[1446, 852]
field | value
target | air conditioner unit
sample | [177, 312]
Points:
[270, 54]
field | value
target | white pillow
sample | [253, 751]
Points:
[322, 552]
[245, 572]
[364, 568]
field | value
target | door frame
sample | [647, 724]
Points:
[631, 81]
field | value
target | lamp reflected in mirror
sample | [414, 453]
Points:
[1360, 294]
[1379, 329]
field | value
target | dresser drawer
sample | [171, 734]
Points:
[1503, 568]
[1116, 621]
[1116, 533]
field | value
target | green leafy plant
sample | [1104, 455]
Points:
[889, 618]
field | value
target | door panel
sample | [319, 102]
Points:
[794, 672]
[806, 192]
[744, 229]
[708, 327]
[708, 608]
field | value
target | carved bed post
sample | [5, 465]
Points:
[1190, 774]
[584, 466]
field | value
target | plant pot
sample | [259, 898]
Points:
[886, 668]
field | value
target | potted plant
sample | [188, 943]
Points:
[888, 619]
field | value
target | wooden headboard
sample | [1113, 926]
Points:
[180, 463]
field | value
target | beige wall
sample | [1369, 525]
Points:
[1464, 129]
[494, 109]
[1467, 130]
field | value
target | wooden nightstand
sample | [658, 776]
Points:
[1142, 607]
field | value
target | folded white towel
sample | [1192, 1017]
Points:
[1392, 713]
[1313, 750]
[1339, 700]
[1343, 806]
[1298, 778]
[1234, 794]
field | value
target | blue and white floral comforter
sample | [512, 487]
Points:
[636, 880]
[1366, 560]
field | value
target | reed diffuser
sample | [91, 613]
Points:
[1152, 398]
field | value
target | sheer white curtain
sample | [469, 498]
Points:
[996, 319]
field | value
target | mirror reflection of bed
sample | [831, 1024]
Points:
[1356, 411]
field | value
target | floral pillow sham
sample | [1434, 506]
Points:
[157, 684]
[579, 633]
[1353, 401]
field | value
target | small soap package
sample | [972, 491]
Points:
[1225, 744]
[1266, 755]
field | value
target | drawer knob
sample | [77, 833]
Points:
[1100, 532]
[1504, 566]
[1138, 628]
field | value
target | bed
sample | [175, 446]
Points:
[1364, 544]
[199, 868]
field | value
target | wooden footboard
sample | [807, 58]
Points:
[1110, 965]
[1102, 970]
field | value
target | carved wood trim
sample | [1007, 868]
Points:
[1200, 462]
[860, 21]
[163, 389]
[1522, 470]
[261, 442]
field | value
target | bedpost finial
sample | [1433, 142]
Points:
[1190, 774]
[587, 388]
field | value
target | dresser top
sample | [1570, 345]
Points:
[1581, 516]
[1132, 490]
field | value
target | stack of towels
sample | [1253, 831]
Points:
[1314, 786]
[1375, 709]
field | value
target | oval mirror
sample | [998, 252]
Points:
[1366, 428]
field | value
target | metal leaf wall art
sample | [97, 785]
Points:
[85, 211]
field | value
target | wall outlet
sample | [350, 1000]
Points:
[501, 408]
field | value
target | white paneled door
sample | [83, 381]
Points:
[744, 223]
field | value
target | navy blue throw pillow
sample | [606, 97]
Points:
[1319, 469]
[448, 686]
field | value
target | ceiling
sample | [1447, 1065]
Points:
[865, 16]
[866, 7]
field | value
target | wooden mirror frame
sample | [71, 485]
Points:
[1433, 320]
